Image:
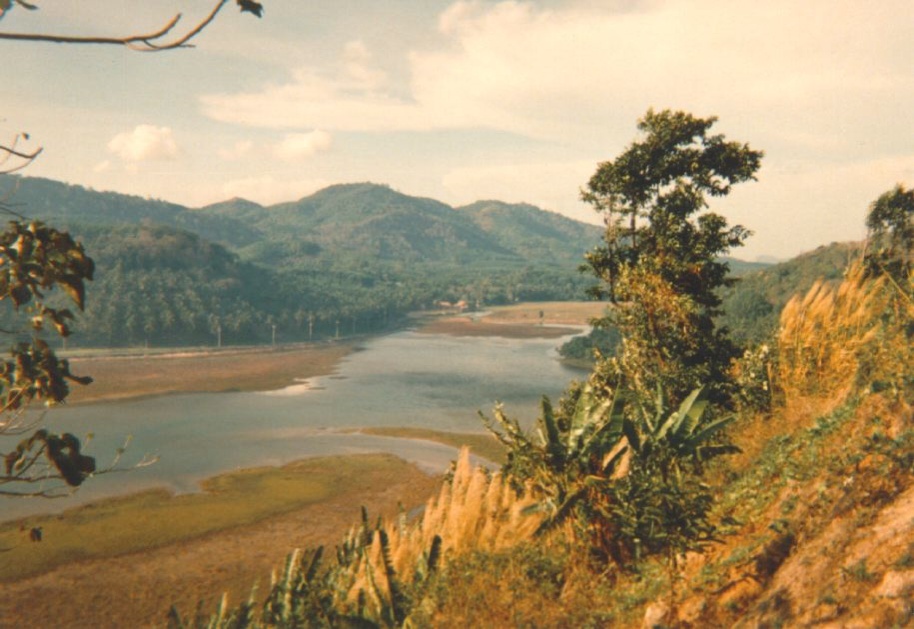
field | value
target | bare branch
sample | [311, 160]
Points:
[9, 152]
[152, 42]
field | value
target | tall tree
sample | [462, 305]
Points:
[890, 223]
[660, 260]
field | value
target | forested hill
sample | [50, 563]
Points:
[348, 259]
[365, 223]
[524, 228]
[66, 205]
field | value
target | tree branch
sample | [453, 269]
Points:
[8, 152]
[151, 42]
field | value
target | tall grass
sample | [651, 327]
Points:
[834, 340]
[383, 570]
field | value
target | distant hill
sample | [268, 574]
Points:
[532, 233]
[355, 256]
[752, 307]
[67, 205]
[367, 223]
[371, 223]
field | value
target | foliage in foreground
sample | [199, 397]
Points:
[382, 573]
[35, 260]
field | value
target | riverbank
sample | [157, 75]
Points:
[120, 377]
[526, 320]
[124, 562]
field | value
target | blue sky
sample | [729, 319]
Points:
[461, 101]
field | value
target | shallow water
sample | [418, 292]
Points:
[404, 379]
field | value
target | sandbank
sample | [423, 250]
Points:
[119, 377]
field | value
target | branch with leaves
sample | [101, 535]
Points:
[55, 464]
[164, 38]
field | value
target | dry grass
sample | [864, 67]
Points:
[475, 511]
[835, 339]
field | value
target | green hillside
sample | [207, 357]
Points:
[66, 205]
[354, 223]
[348, 259]
[534, 233]
[752, 306]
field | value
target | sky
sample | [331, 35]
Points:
[459, 101]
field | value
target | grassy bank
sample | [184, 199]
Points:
[124, 562]
[156, 518]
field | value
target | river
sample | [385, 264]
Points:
[403, 379]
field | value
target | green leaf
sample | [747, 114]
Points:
[689, 413]
[631, 433]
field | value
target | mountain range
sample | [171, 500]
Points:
[348, 258]
[360, 252]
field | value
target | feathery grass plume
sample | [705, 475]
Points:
[382, 570]
[476, 510]
[838, 339]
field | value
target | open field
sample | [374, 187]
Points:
[119, 377]
[554, 312]
[519, 320]
[127, 560]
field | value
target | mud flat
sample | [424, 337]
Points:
[124, 562]
[119, 377]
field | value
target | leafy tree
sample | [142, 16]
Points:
[890, 223]
[34, 260]
[660, 261]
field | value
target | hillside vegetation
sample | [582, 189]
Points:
[813, 514]
[752, 306]
[683, 484]
[345, 260]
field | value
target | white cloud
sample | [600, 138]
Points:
[298, 146]
[267, 189]
[237, 151]
[101, 167]
[357, 63]
[145, 143]
[584, 72]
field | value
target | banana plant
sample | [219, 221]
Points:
[686, 433]
[569, 453]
